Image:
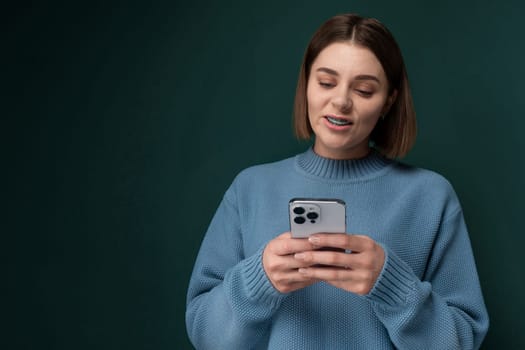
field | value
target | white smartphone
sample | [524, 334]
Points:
[316, 215]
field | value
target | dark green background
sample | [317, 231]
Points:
[125, 122]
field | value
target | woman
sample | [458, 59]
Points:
[404, 276]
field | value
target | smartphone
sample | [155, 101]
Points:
[316, 215]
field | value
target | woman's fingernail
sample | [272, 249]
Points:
[314, 239]
[299, 256]
[303, 271]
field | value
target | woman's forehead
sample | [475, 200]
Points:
[344, 58]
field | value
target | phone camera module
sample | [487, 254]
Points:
[299, 210]
[312, 215]
[299, 220]
[308, 213]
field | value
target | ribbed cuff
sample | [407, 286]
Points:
[395, 283]
[258, 286]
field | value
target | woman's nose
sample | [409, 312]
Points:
[342, 102]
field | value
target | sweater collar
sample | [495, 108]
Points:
[336, 169]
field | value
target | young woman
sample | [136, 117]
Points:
[404, 276]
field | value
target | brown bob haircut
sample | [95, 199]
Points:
[395, 133]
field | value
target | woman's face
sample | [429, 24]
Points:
[347, 92]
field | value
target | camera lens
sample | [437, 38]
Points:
[298, 210]
[312, 215]
[299, 220]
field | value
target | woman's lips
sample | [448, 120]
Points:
[337, 123]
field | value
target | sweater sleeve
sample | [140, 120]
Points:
[444, 310]
[230, 300]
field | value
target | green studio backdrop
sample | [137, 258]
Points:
[127, 121]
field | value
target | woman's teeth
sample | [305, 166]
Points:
[338, 122]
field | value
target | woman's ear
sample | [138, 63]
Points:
[389, 102]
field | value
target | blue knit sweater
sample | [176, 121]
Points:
[427, 296]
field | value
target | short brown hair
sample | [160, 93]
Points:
[395, 133]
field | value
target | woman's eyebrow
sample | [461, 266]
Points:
[366, 77]
[357, 77]
[328, 70]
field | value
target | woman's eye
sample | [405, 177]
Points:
[364, 93]
[326, 84]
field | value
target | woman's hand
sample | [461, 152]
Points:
[355, 272]
[281, 266]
